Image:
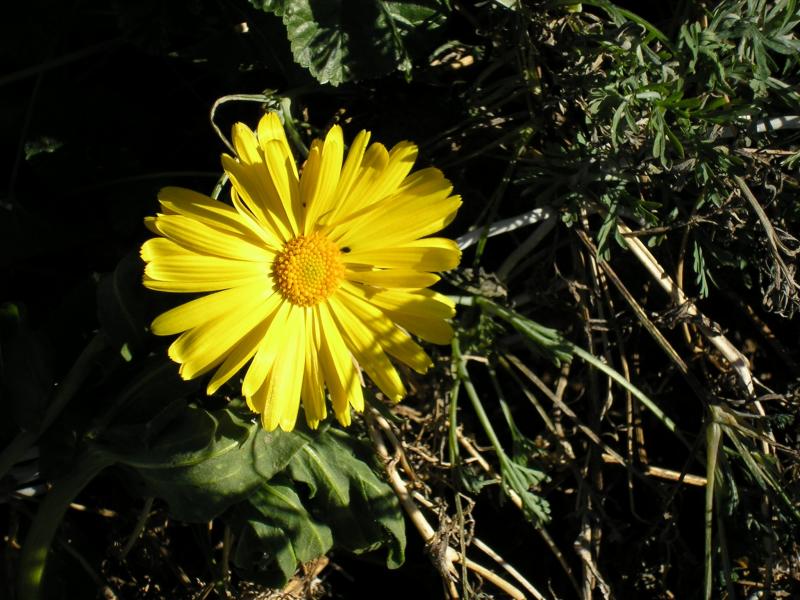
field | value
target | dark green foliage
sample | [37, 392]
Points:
[26, 374]
[346, 40]
[678, 120]
[341, 504]
[203, 463]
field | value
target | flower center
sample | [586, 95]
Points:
[308, 269]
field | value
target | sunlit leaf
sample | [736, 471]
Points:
[360, 507]
[328, 497]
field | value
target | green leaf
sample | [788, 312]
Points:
[359, 506]
[605, 232]
[120, 305]
[520, 479]
[26, 377]
[329, 497]
[152, 384]
[41, 145]
[347, 40]
[549, 342]
[270, 6]
[700, 269]
[619, 113]
[278, 533]
[201, 462]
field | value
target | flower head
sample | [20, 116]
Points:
[309, 277]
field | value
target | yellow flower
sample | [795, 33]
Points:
[312, 276]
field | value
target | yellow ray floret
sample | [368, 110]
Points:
[310, 277]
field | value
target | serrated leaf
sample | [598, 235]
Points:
[347, 40]
[329, 496]
[270, 6]
[359, 506]
[201, 462]
[279, 532]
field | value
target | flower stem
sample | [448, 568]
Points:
[472, 394]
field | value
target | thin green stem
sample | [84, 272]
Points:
[452, 437]
[291, 127]
[472, 394]
[260, 98]
[636, 392]
[512, 475]
[558, 348]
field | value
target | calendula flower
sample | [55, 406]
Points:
[310, 277]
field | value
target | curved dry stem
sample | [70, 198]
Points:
[736, 359]
[426, 530]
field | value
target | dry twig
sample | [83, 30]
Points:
[426, 530]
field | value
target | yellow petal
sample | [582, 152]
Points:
[270, 128]
[393, 340]
[204, 347]
[376, 158]
[271, 344]
[422, 312]
[416, 303]
[285, 182]
[194, 287]
[199, 267]
[423, 182]
[388, 222]
[268, 233]
[259, 200]
[393, 278]
[365, 347]
[435, 331]
[324, 196]
[246, 145]
[241, 352]
[204, 309]
[253, 174]
[350, 171]
[206, 210]
[309, 178]
[204, 239]
[428, 254]
[283, 386]
[338, 368]
[399, 162]
[150, 223]
[394, 227]
[155, 248]
[313, 392]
